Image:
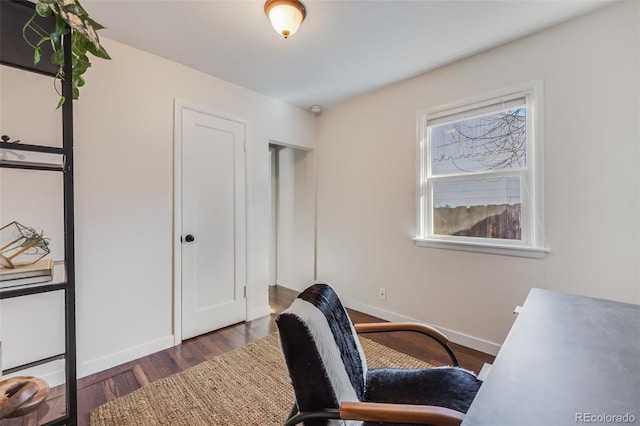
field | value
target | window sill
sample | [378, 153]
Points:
[504, 250]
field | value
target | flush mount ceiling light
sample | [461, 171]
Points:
[285, 15]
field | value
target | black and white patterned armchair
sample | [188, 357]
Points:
[333, 386]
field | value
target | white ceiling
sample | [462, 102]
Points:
[343, 48]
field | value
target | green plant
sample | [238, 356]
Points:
[71, 17]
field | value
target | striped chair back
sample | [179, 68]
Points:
[324, 358]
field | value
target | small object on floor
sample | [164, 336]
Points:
[21, 395]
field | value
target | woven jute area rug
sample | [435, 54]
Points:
[247, 386]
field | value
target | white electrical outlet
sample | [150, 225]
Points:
[382, 293]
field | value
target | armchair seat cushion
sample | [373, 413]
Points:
[448, 387]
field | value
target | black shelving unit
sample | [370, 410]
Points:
[16, 53]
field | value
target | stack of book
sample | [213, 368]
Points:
[38, 272]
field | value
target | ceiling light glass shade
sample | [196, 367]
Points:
[285, 15]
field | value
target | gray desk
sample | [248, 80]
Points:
[567, 360]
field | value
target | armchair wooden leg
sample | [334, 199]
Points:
[400, 413]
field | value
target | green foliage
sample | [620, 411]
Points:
[72, 18]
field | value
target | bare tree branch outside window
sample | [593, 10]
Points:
[492, 142]
[482, 204]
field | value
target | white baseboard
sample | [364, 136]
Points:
[456, 337]
[258, 312]
[51, 372]
[109, 361]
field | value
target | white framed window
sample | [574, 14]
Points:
[480, 174]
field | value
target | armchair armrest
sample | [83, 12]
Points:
[372, 327]
[424, 329]
[400, 413]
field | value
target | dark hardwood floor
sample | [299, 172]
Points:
[97, 389]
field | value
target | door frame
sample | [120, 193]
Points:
[179, 106]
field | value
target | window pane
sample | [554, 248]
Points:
[478, 207]
[491, 142]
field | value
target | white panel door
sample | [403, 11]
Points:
[213, 242]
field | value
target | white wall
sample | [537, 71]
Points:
[273, 216]
[31, 327]
[366, 183]
[365, 159]
[295, 218]
[124, 194]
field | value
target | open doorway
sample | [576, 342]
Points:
[292, 231]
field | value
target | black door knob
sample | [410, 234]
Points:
[189, 238]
